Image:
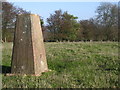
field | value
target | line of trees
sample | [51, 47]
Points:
[103, 27]
[62, 26]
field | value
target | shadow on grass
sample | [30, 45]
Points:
[5, 69]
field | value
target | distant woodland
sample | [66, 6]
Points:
[63, 26]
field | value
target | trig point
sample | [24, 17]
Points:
[28, 49]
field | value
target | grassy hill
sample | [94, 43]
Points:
[73, 65]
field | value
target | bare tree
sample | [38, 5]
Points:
[9, 12]
[108, 19]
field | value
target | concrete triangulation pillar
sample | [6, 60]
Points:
[28, 55]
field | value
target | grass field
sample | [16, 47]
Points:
[73, 65]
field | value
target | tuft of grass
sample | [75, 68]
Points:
[73, 65]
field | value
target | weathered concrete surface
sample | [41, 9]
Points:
[28, 49]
